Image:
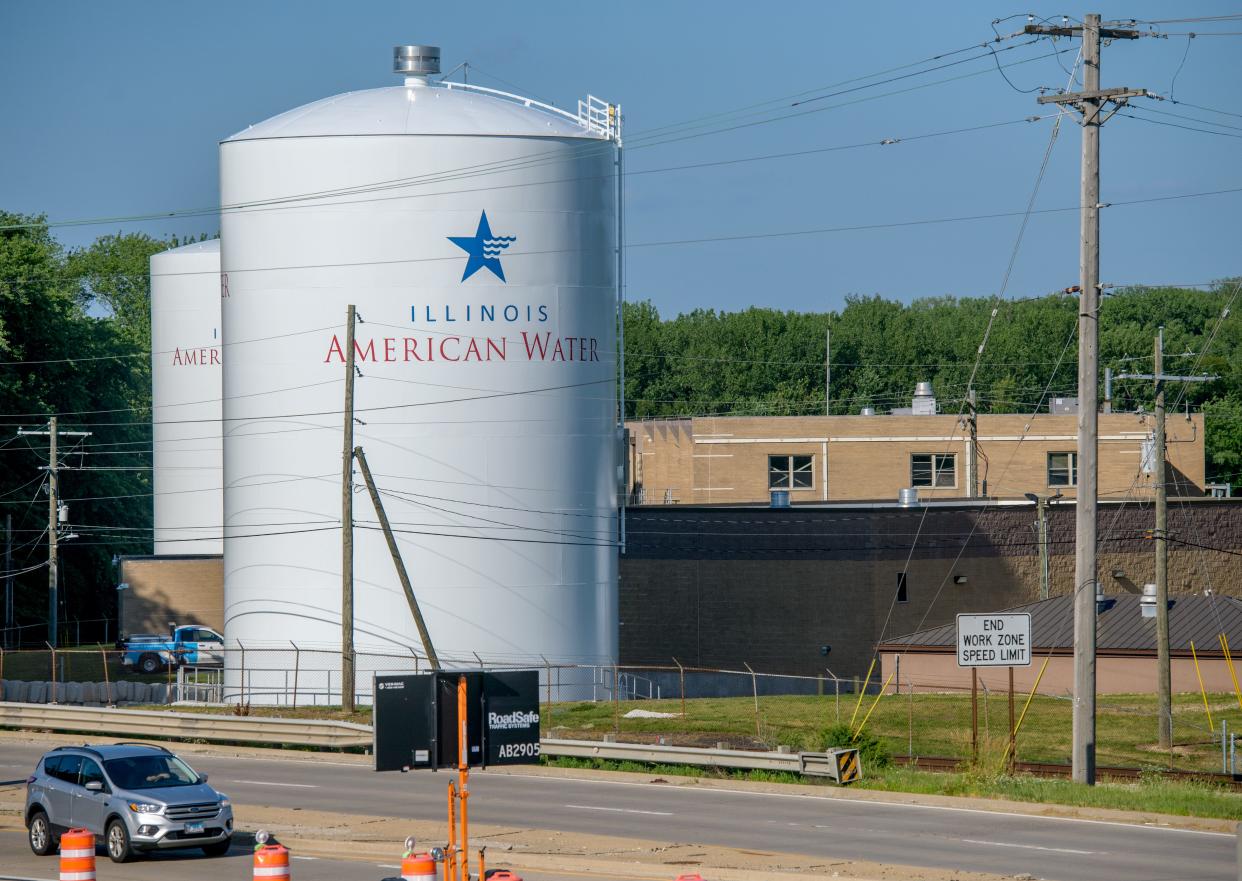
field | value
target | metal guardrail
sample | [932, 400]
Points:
[196, 726]
[810, 764]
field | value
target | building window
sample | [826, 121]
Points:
[933, 469]
[1063, 469]
[903, 595]
[791, 472]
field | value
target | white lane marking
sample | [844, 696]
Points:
[385, 866]
[820, 798]
[303, 858]
[1028, 846]
[272, 783]
[849, 802]
[621, 810]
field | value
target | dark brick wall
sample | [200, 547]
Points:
[720, 587]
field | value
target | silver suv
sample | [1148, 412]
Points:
[134, 796]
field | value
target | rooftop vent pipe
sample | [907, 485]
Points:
[1147, 603]
[416, 61]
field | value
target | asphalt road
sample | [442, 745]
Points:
[17, 863]
[949, 838]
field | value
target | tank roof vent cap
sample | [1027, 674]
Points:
[421, 61]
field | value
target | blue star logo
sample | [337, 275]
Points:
[484, 249]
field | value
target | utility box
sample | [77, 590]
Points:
[416, 724]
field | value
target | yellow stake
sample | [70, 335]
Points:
[874, 703]
[1224, 644]
[1202, 690]
[861, 693]
[1030, 697]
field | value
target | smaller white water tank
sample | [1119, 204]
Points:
[186, 376]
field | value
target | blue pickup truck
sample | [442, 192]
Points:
[189, 645]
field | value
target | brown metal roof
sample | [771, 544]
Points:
[1120, 626]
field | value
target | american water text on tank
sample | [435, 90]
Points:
[204, 356]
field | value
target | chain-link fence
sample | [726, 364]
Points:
[673, 704]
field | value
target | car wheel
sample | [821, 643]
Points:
[40, 834]
[219, 849]
[149, 663]
[117, 841]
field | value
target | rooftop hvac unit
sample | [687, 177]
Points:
[924, 403]
[867, 411]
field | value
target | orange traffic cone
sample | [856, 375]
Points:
[271, 862]
[694, 876]
[502, 875]
[77, 855]
[418, 867]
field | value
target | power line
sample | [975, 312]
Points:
[497, 166]
[1189, 128]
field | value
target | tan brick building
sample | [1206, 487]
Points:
[187, 589]
[742, 459]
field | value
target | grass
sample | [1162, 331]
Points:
[1180, 798]
[928, 724]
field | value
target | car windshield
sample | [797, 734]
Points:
[150, 772]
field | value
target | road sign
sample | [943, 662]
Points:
[1002, 640]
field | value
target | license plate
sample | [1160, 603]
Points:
[193, 827]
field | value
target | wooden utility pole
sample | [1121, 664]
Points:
[53, 533]
[402, 575]
[1042, 508]
[8, 580]
[1090, 103]
[1164, 688]
[53, 518]
[972, 459]
[828, 372]
[347, 525]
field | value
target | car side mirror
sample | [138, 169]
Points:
[94, 786]
[202, 778]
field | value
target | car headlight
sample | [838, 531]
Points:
[224, 802]
[139, 807]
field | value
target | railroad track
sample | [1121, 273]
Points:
[1056, 769]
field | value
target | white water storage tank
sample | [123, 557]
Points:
[475, 232]
[186, 354]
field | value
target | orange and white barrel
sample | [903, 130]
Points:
[271, 863]
[418, 867]
[77, 855]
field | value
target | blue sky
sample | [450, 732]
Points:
[113, 109]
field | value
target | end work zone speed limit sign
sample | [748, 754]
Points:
[1001, 640]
